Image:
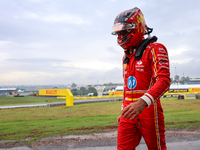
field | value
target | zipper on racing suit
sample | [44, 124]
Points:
[133, 66]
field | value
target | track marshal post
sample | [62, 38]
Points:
[58, 92]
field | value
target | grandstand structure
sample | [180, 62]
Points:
[8, 90]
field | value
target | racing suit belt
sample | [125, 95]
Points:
[134, 95]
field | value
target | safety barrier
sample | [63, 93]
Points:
[182, 93]
[58, 92]
[92, 97]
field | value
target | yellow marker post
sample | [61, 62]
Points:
[185, 97]
[58, 92]
[69, 98]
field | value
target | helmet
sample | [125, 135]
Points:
[133, 24]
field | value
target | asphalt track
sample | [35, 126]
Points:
[173, 143]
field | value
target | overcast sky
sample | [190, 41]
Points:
[66, 41]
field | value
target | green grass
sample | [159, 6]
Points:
[181, 113]
[5, 101]
[37, 128]
[35, 123]
[91, 109]
[23, 123]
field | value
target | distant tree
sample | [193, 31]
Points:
[74, 92]
[105, 90]
[183, 80]
[187, 79]
[73, 85]
[55, 87]
[176, 78]
[92, 90]
[83, 90]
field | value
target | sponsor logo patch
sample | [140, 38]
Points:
[51, 91]
[139, 62]
[141, 70]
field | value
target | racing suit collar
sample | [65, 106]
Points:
[132, 50]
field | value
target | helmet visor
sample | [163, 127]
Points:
[120, 27]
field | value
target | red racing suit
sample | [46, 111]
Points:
[147, 78]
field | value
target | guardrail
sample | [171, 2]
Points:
[52, 104]
[183, 95]
[92, 97]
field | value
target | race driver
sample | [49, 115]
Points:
[146, 78]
